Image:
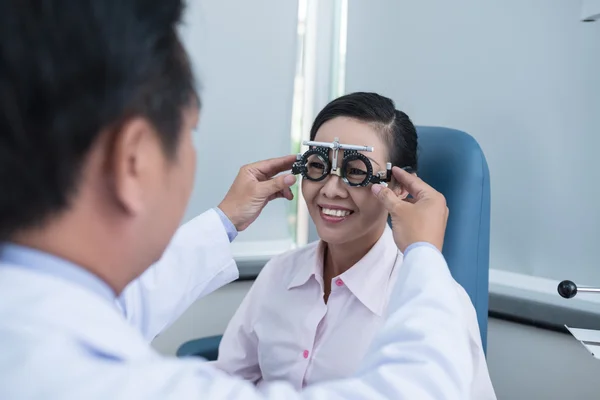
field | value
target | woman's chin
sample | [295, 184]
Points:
[332, 236]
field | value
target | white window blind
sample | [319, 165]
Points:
[522, 77]
[244, 56]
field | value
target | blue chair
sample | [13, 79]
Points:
[453, 163]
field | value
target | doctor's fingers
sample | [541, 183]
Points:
[273, 166]
[278, 187]
[432, 201]
[413, 184]
[285, 193]
[389, 199]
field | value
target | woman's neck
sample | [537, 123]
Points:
[341, 257]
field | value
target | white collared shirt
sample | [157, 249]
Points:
[283, 330]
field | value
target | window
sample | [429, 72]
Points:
[245, 62]
[298, 116]
[262, 75]
[322, 79]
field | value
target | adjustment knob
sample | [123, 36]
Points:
[567, 289]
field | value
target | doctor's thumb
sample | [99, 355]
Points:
[388, 198]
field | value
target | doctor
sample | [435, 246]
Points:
[97, 105]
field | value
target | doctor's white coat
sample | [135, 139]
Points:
[61, 341]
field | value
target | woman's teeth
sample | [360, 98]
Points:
[335, 213]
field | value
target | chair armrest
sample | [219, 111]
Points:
[207, 348]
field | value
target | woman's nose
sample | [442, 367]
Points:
[334, 187]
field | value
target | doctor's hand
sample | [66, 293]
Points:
[256, 185]
[422, 218]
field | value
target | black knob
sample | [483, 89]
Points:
[567, 289]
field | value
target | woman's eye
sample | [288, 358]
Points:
[356, 171]
[316, 165]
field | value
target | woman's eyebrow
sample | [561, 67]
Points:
[372, 160]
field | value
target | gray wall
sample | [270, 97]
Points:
[524, 362]
[522, 77]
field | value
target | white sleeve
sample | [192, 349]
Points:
[238, 350]
[422, 352]
[197, 261]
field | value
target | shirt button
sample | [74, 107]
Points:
[339, 282]
[305, 354]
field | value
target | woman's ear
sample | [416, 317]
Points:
[398, 189]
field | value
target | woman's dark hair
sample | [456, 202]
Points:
[395, 126]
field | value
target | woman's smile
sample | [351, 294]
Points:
[334, 214]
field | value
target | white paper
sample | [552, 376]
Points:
[589, 338]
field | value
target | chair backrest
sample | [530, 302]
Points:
[453, 163]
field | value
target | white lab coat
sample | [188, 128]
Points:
[61, 341]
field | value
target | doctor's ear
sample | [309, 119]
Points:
[135, 160]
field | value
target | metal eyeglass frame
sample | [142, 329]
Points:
[351, 153]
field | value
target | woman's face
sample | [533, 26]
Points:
[341, 213]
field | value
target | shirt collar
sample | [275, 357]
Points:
[368, 279]
[38, 261]
[311, 265]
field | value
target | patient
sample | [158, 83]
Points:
[312, 312]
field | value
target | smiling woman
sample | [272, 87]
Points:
[312, 313]
[347, 218]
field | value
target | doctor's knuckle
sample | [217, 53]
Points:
[440, 199]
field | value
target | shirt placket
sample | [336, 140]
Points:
[329, 314]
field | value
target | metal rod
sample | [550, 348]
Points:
[337, 145]
[588, 289]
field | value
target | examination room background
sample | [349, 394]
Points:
[521, 76]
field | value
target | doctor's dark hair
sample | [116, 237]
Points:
[395, 126]
[70, 70]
